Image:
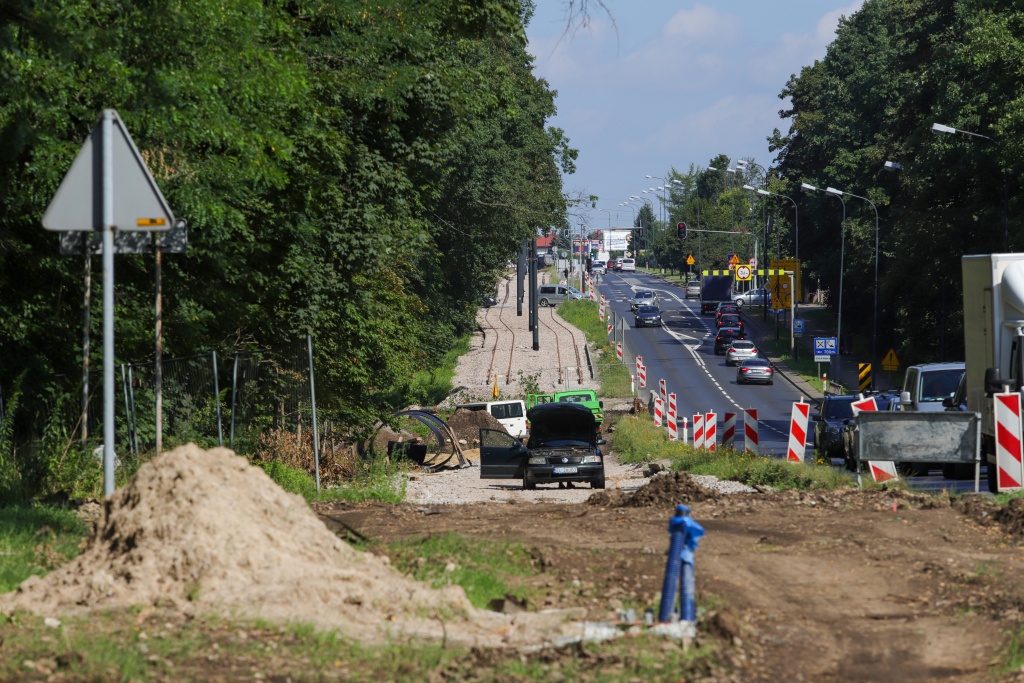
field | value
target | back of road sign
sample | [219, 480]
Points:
[138, 203]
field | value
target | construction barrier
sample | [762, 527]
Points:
[662, 390]
[686, 432]
[729, 429]
[600, 311]
[798, 431]
[710, 429]
[750, 439]
[1008, 442]
[642, 376]
[672, 403]
[880, 470]
[698, 431]
[658, 411]
[673, 428]
[618, 351]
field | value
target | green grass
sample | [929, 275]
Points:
[432, 386]
[583, 314]
[637, 440]
[34, 540]
[377, 480]
[484, 569]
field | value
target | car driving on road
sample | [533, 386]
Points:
[740, 350]
[647, 316]
[753, 296]
[730, 320]
[643, 297]
[693, 289]
[725, 337]
[755, 370]
[829, 423]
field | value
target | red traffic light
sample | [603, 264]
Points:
[681, 231]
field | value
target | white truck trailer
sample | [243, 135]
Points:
[993, 337]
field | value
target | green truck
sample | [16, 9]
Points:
[583, 397]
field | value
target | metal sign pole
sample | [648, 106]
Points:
[108, 302]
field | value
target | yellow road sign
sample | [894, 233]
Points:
[744, 272]
[864, 375]
[690, 260]
[734, 260]
[891, 362]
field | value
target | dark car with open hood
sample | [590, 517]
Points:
[564, 447]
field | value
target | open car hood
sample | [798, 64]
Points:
[554, 424]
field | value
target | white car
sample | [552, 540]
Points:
[754, 296]
[643, 297]
[627, 264]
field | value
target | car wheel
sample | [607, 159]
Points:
[597, 483]
[529, 484]
[544, 303]
[912, 469]
[771, 381]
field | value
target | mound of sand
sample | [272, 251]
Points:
[205, 532]
[466, 424]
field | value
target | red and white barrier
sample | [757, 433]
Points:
[710, 429]
[658, 411]
[750, 440]
[642, 376]
[673, 428]
[632, 384]
[698, 431]
[618, 351]
[672, 403]
[662, 390]
[610, 326]
[600, 311]
[1010, 473]
[729, 429]
[639, 363]
[880, 470]
[686, 431]
[798, 431]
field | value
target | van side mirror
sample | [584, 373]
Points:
[994, 384]
[905, 398]
[601, 442]
[600, 404]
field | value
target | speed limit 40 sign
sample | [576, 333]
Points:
[744, 272]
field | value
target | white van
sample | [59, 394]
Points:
[552, 295]
[511, 414]
[926, 386]
[627, 264]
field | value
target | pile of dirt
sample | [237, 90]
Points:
[205, 532]
[466, 424]
[666, 491]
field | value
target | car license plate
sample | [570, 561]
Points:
[565, 470]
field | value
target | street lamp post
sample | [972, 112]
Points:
[939, 128]
[842, 255]
[796, 258]
[874, 325]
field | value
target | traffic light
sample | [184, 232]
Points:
[681, 231]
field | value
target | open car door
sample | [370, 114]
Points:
[502, 456]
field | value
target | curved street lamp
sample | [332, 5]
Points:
[842, 253]
[874, 325]
[939, 128]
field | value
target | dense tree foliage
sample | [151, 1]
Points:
[357, 171]
[895, 68]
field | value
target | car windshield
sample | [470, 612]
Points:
[939, 384]
[755, 363]
[742, 345]
[644, 295]
[839, 410]
[647, 310]
[573, 290]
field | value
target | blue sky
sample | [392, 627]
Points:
[662, 84]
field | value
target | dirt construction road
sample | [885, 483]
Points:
[830, 586]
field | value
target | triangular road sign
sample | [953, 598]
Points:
[138, 203]
[890, 362]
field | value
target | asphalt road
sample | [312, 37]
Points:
[681, 352]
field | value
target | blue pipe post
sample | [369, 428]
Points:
[676, 527]
[688, 587]
[683, 536]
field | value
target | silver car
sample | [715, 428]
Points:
[643, 297]
[739, 351]
[693, 290]
[754, 296]
[755, 370]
